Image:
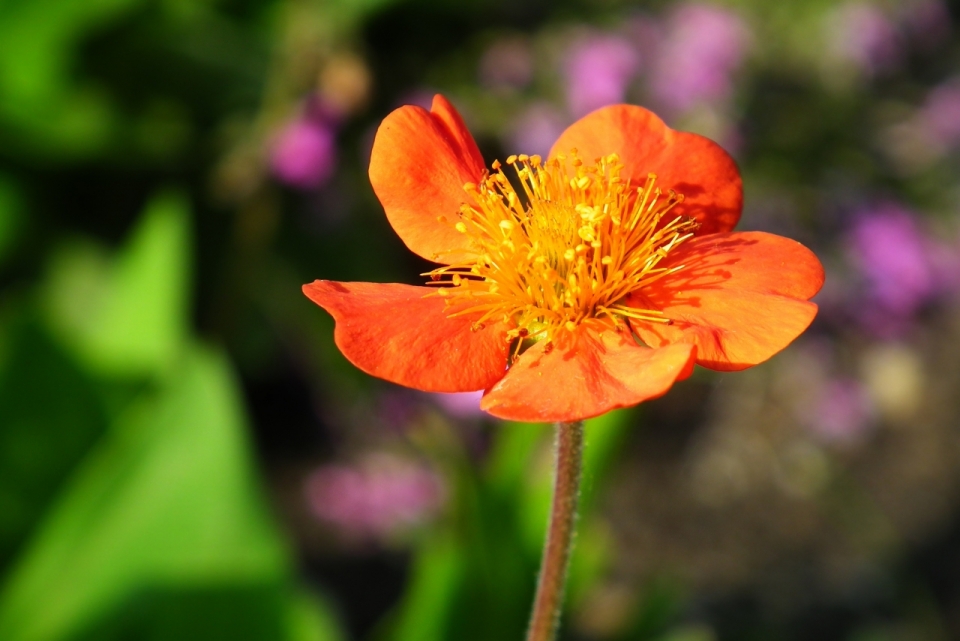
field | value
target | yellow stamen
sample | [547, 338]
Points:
[566, 249]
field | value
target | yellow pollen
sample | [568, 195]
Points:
[567, 246]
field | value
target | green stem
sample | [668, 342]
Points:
[545, 618]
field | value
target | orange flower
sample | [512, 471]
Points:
[569, 286]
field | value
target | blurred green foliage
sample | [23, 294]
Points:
[127, 315]
[44, 109]
[131, 503]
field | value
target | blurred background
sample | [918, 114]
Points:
[184, 454]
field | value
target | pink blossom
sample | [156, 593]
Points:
[535, 131]
[940, 114]
[843, 412]
[894, 259]
[303, 154]
[888, 249]
[597, 71]
[382, 496]
[461, 405]
[863, 35]
[703, 47]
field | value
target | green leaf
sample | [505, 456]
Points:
[127, 317]
[40, 103]
[169, 501]
[50, 417]
[433, 591]
[309, 618]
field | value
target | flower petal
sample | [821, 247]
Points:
[690, 164]
[391, 331]
[740, 298]
[418, 166]
[595, 373]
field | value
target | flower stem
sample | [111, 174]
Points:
[545, 618]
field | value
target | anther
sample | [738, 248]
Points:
[545, 258]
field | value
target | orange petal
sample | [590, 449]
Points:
[595, 373]
[740, 298]
[748, 260]
[419, 164]
[691, 165]
[391, 331]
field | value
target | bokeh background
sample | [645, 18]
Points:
[184, 454]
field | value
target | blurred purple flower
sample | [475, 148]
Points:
[928, 21]
[383, 496]
[863, 35]
[537, 128]
[945, 262]
[597, 71]
[892, 256]
[645, 34]
[940, 114]
[704, 46]
[304, 152]
[463, 405]
[843, 412]
[507, 64]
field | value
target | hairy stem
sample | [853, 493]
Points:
[545, 617]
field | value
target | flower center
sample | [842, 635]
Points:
[566, 249]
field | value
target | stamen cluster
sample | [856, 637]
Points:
[565, 249]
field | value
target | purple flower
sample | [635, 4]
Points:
[645, 34]
[863, 35]
[383, 496]
[892, 257]
[704, 46]
[945, 263]
[507, 64]
[940, 114]
[537, 128]
[843, 412]
[928, 22]
[597, 71]
[463, 405]
[304, 152]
